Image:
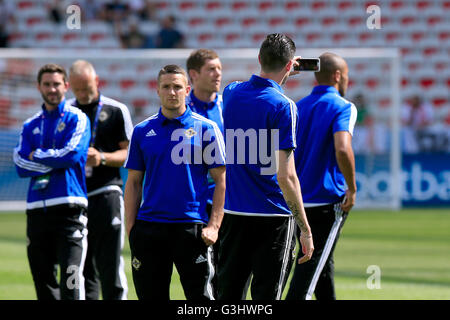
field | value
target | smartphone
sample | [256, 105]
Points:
[308, 64]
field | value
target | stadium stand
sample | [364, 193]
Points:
[421, 28]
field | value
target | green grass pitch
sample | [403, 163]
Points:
[410, 248]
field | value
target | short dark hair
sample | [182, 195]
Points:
[198, 58]
[171, 69]
[51, 68]
[276, 51]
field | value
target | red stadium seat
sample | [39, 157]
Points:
[203, 37]
[292, 5]
[257, 38]
[187, 5]
[365, 37]
[372, 83]
[152, 84]
[318, 5]
[404, 82]
[249, 21]
[213, 5]
[338, 37]
[96, 36]
[430, 51]
[427, 82]
[329, 21]
[313, 37]
[196, 21]
[126, 84]
[239, 5]
[421, 5]
[222, 21]
[70, 36]
[355, 21]
[43, 36]
[28, 102]
[434, 20]
[397, 4]
[25, 4]
[407, 21]
[160, 5]
[276, 21]
[439, 102]
[139, 102]
[265, 5]
[31, 21]
[444, 36]
[302, 21]
[384, 102]
[447, 119]
[102, 83]
[417, 36]
[345, 5]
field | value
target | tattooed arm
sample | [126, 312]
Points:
[290, 186]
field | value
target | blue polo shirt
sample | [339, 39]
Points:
[258, 118]
[322, 113]
[209, 110]
[212, 111]
[176, 156]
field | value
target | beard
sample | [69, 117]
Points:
[53, 100]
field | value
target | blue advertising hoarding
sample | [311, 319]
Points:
[425, 179]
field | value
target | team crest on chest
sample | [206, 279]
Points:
[189, 133]
[61, 127]
[103, 116]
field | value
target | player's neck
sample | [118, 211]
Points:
[205, 96]
[50, 107]
[277, 77]
[173, 113]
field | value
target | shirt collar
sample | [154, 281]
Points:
[321, 89]
[89, 106]
[264, 82]
[59, 110]
[183, 119]
[197, 103]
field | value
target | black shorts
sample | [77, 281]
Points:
[259, 246]
[57, 237]
[155, 247]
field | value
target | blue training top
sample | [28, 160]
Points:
[258, 120]
[212, 111]
[60, 139]
[176, 156]
[321, 114]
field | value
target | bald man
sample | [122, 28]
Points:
[325, 166]
[111, 128]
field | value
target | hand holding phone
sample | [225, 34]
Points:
[308, 64]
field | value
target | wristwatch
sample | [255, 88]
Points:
[103, 159]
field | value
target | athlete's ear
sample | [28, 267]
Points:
[337, 76]
[193, 75]
[289, 65]
[96, 80]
